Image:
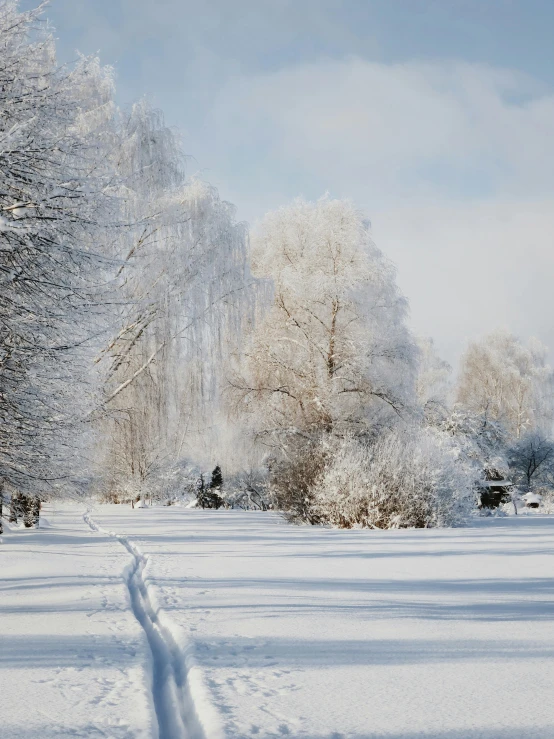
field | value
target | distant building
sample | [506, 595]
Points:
[493, 493]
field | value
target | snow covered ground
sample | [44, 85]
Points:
[260, 629]
[73, 661]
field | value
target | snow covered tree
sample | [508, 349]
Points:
[17, 507]
[36, 506]
[482, 441]
[28, 515]
[216, 483]
[54, 183]
[531, 458]
[332, 352]
[332, 355]
[483, 445]
[503, 381]
[184, 289]
[208, 495]
[433, 378]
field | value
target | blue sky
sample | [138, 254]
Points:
[435, 116]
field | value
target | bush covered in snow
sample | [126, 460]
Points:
[249, 489]
[294, 476]
[409, 477]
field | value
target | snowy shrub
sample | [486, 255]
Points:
[110, 497]
[546, 497]
[168, 483]
[249, 489]
[408, 478]
[480, 440]
[293, 478]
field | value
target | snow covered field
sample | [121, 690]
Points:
[260, 629]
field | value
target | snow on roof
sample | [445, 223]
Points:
[496, 483]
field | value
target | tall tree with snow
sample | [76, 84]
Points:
[506, 382]
[184, 287]
[433, 386]
[332, 352]
[54, 203]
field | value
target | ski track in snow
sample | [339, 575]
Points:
[175, 710]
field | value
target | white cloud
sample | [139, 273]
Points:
[452, 161]
[404, 126]
[471, 267]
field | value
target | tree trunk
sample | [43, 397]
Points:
[331, 361]
[28, 518]
[35, 511]
[15, 510]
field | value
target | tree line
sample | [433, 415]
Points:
[146, 335]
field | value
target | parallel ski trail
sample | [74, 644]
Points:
[173, 704]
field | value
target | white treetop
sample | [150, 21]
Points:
[507, 382]
[333, 350]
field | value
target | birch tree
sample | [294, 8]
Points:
[504, 381]
[184, 287]
[333, 352]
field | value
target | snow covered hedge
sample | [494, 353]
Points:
[407, 478]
